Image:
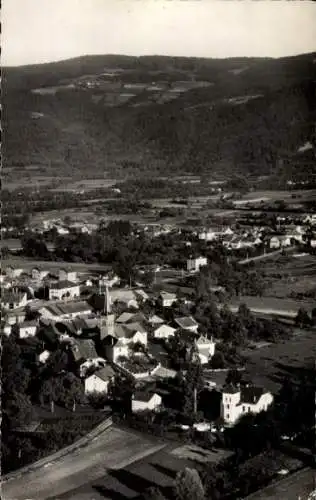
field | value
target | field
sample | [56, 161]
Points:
[267, 366]
[159, 469]
[294, 487]
[28, 264]
[290, 274]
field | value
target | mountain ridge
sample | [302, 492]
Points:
[128, 115]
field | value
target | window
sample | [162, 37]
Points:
[227, 407]
[227, 416]
[243, 408]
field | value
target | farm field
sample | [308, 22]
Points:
[301, 195]
[290, 274]
[158, 469]
[268, 365]
[27, 264]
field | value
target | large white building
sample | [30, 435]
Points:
[238, 401]
[193, 265]
[64, 290]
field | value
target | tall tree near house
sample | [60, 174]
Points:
[188, 485]
[194, 383]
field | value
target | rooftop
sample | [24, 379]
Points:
[63, 284]
[105, 373]
[186, 322]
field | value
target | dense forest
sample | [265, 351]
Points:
[250, 117]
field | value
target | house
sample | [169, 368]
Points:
[206, 348]
[238, 401]
[167, 299]
[187, 323]
[13, 317]
[39, 274]
[13, 272]
[80, 326]
[193, 265]
[81, 350]
[118, 342]
[67, 275]
[155, 320]
[99, 381]
[13, 299]
[164, 332]
[27, 329]
[127, 297]
[43, 356]
[144, 400]
[6, 328]
[280, 241]
[59, 311]
[64, 290]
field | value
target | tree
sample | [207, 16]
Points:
[188, 485]
[302, 318]
[194, 383]
[152, 493]
[233, 377]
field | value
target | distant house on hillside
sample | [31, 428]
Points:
[39, 274]
[194, 264]
[280, 241]
[238, 401]
[13, 272]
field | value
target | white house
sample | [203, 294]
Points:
[13, 299]
[67, 275]
[64, 289]
[164, 332]
[143, 400]
[27, 329]
[43, 356]
[238, 401]
[59, 311]
[7, 329]
[167, 299]
[187, 323]
[39, 274]
[118, 343]
[99, 381]
[193, 265]
[280, 241]
[206, 348]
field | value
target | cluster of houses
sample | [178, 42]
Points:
[254, 237]
[105, 330]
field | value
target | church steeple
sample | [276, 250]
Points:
[107, 319]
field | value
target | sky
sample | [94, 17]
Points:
[38, 31]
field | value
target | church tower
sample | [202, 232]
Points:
[108, 318]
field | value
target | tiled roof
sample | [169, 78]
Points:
[135, 327]
[251, 394]
[143, 396]
[186, 322]
[83, 349]
[61, 285]
[124, 317]
[105, 373]
[231, 389]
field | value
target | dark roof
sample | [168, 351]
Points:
[143, 396]
[231, 389]
[27, 324]
[105, 373]
[8, 296]
[60, 285]
[83, 349]
[186, 322]
[251, 394]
